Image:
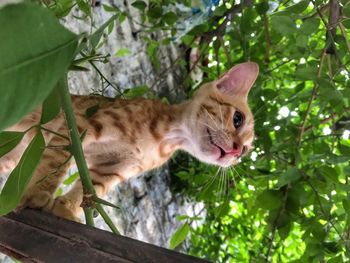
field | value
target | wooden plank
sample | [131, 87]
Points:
[33, 236]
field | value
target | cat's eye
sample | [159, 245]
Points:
[237, 119]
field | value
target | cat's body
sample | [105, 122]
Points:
[128, 137]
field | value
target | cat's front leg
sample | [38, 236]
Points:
[103, 177]
[46, 179]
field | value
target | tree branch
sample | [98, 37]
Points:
[333, 19]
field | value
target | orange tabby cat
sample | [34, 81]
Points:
[128, 137]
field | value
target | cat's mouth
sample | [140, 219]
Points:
[222, 151]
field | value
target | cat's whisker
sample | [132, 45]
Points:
[226, 190]
[223, 194]
[211, 117]
[211, 181]
[245, 173]
[200, 122]
[236, 172]
[222, 119]
[233, 177]
[218, 195]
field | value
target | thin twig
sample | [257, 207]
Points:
[343, 31]
[331, 38]
[105, 79]
[56, 133]
[312, 97]
[227, 53]
[279, 65]
[267, 40]
[274, 227]
[325, 214]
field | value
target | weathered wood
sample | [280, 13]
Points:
[33, 236]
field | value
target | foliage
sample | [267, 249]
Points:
[289, 199]
[36, 70]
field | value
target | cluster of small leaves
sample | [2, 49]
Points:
[288, 200]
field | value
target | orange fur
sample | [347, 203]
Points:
[128, 137]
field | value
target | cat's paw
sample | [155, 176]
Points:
[64, 208]
[36, 199]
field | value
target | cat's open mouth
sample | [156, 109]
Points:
[222, 151]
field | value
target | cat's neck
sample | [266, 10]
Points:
[179, 133]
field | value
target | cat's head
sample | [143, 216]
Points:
[221, 123]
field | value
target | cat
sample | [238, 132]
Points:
[125, 138]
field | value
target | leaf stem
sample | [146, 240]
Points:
[106, 218]
[88, 212]
[77, 151]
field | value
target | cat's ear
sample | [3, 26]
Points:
[239, 79]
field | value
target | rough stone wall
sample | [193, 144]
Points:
[148, 206]
[131, 70]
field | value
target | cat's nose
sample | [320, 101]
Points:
[236, 150]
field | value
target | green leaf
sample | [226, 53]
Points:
[62, 7]
[283, 25]
[122, 52]
[59, 192]
[197, 30]
[305, 72]
[346, 11]
[9, 140]
[170, 18]
[71, 179]
[330, 173]
[302, 41]
[141, 5]
[297, 8]
[109, 8]
[51, 106]
[18, 180]
[96, 36]
[262, 8]
[179, 236]
[29, 66]
[122, 17]
[155, 12]
[344, 150]
[329, 92]
[84, 6]
[136, 92]
[182, 217]
[291, 175]
[269, 199]
[338, 259]
[246, 25]
[310, 26]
